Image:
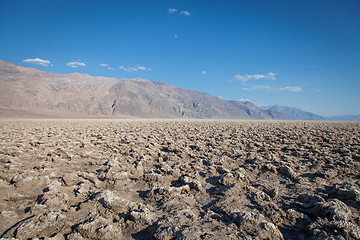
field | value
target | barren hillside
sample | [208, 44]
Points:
[77, 94]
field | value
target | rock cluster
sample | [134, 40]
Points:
[157, 179]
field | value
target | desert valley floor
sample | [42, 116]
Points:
[169, 179]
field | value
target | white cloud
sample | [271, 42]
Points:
[172, 10]
[290, 89]
[134, 69]
[248, 77]
[267, 88]
[106, 65]
[185, 13]
[203, 72]
[258, 88]
[38, 61]
[141, 68]
[76, 64]
[176, 36]
[244, 100]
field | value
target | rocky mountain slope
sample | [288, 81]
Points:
[77, 94]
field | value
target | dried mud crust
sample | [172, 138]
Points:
[109, 179]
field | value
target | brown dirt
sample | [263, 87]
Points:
[13, 114]
[162, 179]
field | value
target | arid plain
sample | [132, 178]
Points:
[172, 179]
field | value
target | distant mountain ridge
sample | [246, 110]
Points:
[343, 118]
[75, 94]
[294, 113]
[298, 114]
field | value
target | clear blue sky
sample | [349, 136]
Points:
[303, 54]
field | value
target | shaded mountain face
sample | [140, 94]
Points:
[294, 113]
[77, 94]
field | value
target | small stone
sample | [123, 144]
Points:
[288, 171]
[337, 210]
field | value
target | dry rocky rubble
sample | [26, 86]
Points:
[168, 179]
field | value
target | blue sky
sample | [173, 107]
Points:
[303, 54]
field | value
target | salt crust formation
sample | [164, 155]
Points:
[153, 179]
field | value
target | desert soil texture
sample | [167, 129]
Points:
[172, 179]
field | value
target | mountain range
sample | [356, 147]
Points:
[294, 113]
[33, 93]
[298, 114]
[81, 95]
[343, 118]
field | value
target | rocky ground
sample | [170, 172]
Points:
[122, 179]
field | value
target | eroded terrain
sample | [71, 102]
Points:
[122, 179]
